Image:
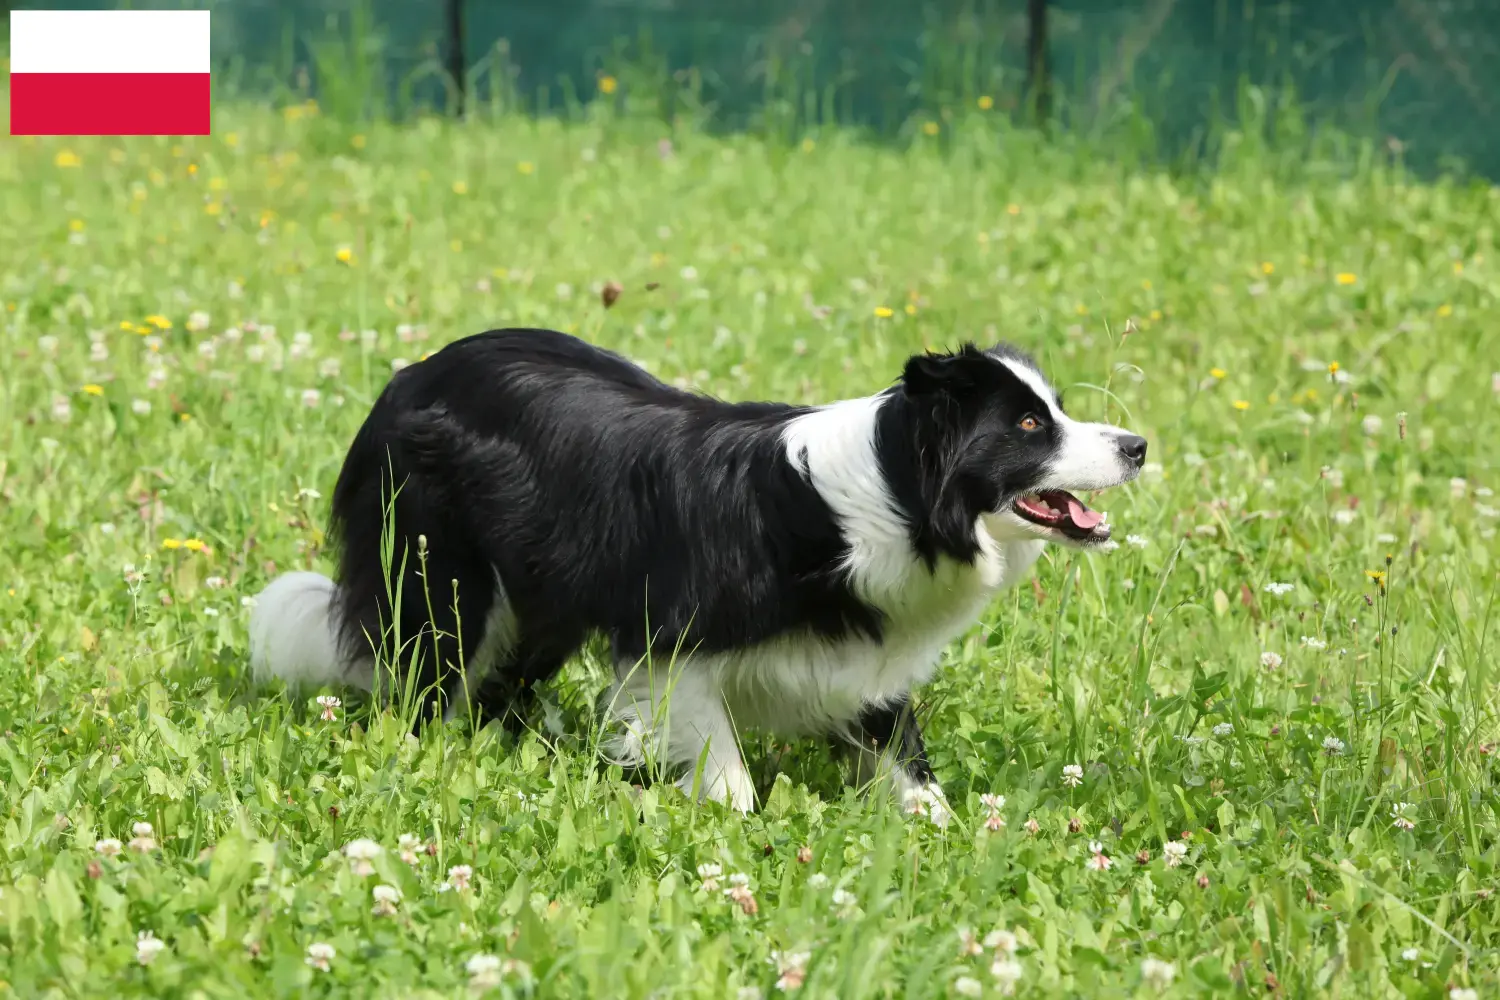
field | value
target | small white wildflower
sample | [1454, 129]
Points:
[1399, 818]
[817, 880]
[1371, 425]
[1270, 660]
[1223, 729]
[564, 290]
[386, 898]
[147, 947]
[320, 956]
[361, 853]
[1072, 775]
[1002, 942]
[1458, 487]
[140, 407]
[1344, 516]
[109, 847]
[397, 364]
[459, 876]
[484, 971]
[968, 944]
[1099, 862]
[1157, 974]
[1007, 975]
[1411, 954]
[845, 902]
[1333, 746]
[99, 351]
[329, 703]
[407, 846]
[1174, 852]
[1334, 477]
[1137, 541]
[1279, 589]
[966, 986]
[689, 273]
[709, 872]
[62, 409]
[144, 840]
[47, 345]
[197, 320]
[1313, 642]
[791, 968]
[1463, 993]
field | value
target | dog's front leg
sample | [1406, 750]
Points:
[682, 721]
[889, 741]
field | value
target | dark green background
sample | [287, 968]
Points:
[1170, 75]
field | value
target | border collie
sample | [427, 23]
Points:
[795, 568]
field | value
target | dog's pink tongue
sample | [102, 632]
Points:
[1082, 516]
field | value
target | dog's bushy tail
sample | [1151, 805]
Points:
[294, 635]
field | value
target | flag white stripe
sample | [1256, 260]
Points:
[109, 41]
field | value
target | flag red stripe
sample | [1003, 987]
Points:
[109, 104]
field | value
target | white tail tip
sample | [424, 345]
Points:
[293, 635]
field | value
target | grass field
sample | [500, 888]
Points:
[1286, 667]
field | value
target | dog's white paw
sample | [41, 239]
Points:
[927, 800]
[731, 786]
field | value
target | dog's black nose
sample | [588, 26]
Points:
[1133, 448]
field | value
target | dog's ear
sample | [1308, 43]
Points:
[927, 373]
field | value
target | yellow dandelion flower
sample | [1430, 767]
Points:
[160, 322]
[658, 259]
[608, 84]
[1458, 267]
[171, 543]
[357, 141]
[94, 389]
[1377, 575]
[194, 545]
[808, 145]
[125, 324]
[459, 187]
[526, 167]
[1156, 314]
[1445, 310]
[76, 226]
[266, 216]
[1266, 267]
[1081, 309]
[184, 417]
[1333, 367]
[66, 158]
[986, 102]
[213, 208]
[1346, 278]
[930, 128]
[1217, 372]
[1242, 404]
[344, 255]
[192, 169]
[884, 312]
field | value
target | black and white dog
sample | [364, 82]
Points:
[763, 565]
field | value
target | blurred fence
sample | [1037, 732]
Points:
[1419, 75]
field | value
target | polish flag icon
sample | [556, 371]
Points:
[109, 72]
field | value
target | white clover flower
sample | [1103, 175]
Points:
[1174, 852]
[1157, 974]
[1279, 589]
[1399, 818]
[147, 947]
[460, 876]
[1002, 942]
[361, 853]
[109, 847]
[1313, 642]
[311, 398]
[1007, 974]
[1270, 660]
[407, 846]
[817, 880]
[1411, 954]
[1371, 425]
[1333, 746]
[320, 956]
[1136, 541]
[966, 986]
[1223, 729]
[1072, 775]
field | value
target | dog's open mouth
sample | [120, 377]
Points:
[1062, 511]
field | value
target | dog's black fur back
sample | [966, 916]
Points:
[701, 533]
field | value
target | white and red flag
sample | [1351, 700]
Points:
[109, 72]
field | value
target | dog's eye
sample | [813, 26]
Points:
[1030, 423]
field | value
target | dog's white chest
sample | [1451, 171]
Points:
[804, 684]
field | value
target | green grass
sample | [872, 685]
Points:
[1206, 312]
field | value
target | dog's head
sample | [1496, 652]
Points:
[1000, 448]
